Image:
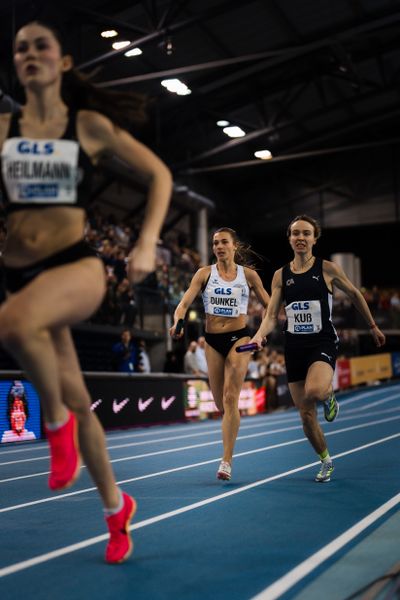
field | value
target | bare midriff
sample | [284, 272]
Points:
[33, 235]
[225, 324]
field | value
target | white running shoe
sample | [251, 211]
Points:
[224, 471]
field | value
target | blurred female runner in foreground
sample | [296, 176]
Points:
[53, 278]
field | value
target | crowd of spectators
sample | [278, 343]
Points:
[176, 262]
[130, 355]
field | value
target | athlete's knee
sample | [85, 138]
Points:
[15, 330]
[314, 393]
[308, 417]
[230, 401]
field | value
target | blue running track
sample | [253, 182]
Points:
[271, 532]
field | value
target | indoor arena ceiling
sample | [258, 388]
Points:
[315, 82]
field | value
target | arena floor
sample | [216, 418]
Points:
[272, 532]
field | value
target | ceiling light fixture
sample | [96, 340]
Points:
[176, 86]
[133, 52]
[223, 123]
[234, 131]
[119, 45]
[109, 33]
[263, 154]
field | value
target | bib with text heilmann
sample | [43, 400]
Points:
[40, 171]
[225, 301]
[304, 316]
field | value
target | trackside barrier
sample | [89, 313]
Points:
[124, 400]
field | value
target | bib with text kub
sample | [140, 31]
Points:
[304, 317]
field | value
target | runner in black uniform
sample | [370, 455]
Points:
[305, 288]
[53, 278]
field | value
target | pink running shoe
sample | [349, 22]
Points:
[64, 454]
[120, 545]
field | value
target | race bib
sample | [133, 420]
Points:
[225, 301]
[40, 171]
[304, 317]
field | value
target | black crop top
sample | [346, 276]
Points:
[38, 173]
[308, 306]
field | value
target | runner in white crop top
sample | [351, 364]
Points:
[225, 287]
[226, 298]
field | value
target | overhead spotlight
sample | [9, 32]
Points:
[263, 154]
[133, 52]
[223, 123]
[169, 47]
[176, 86]
[109, 33]
[119, 45]
[234, 131]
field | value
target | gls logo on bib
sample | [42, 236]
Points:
[223, 291]
[38, 148]
[301, 305]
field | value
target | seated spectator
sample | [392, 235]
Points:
[201, 356]
[125, 304]
[125, 354]
[256, 366]
[144, 359]
[190, 363]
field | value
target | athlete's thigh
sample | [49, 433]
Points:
[216, 364]
[319, 377]
[60, 296]
[236, 366]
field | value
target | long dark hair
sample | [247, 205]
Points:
[244, 254]
[78, 92]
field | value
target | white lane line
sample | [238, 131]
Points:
[16, 567]
[282, 585]
[196, 446]
[206, 429]
[271, 419]
[376, 403]
[174, 438]
[194, 465]
[156, 440]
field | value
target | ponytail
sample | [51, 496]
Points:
[121, 108]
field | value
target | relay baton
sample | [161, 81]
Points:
[248, 347]
[179, 327]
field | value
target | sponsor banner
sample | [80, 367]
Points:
[370, 368]
[126, 402]
[396, 364]
[20, 419]
[342, 379]
[199, 401]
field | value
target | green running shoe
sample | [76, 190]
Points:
[331, 408]
[325, 472]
